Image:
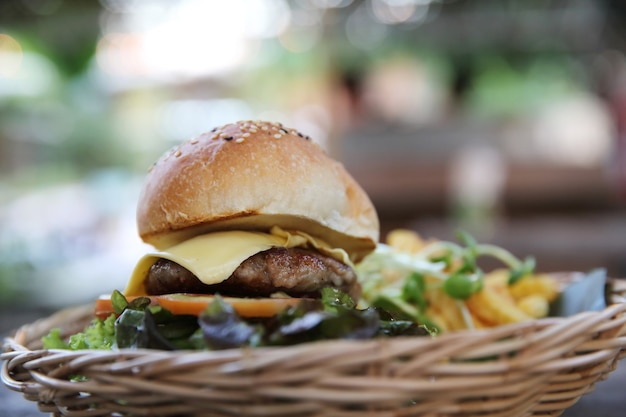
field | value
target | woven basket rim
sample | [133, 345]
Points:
[553, 361]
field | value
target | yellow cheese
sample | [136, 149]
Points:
[213, 257]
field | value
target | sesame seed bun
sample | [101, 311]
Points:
[252, 176]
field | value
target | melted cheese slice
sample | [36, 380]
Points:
[213, 257]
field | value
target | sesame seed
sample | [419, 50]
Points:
[239, 140]
[223, 135]
[246, 135]
[194, 141]
[278, 136]
[214, 137]
[178, 153]
[283, 130]
[253, 130]
[264, 127]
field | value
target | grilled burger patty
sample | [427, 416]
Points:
[297, 272]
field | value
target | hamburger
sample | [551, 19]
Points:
[253, 211]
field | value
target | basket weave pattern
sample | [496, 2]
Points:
[536, 368]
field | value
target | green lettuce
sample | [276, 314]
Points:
[99, 334]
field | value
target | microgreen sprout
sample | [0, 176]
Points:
[526, 268]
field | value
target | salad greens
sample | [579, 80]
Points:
[137, 324]
[453, 266]
[100, 334]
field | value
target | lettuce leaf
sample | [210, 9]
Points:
[100, 334]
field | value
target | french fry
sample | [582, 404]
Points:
[542, 285]
[434, 314]
[532, 294]
[405, 240]
[497, 278]
[495, 308]
[534, 305]
[478, 323]
[447, 309]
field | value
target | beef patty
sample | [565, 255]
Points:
[297, 272]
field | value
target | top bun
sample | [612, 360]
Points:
[254, 175]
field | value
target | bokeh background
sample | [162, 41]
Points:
[505, 118]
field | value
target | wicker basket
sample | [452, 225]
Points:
[536, 368]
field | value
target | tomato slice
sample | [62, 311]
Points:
[103, 307]
[197, 303]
